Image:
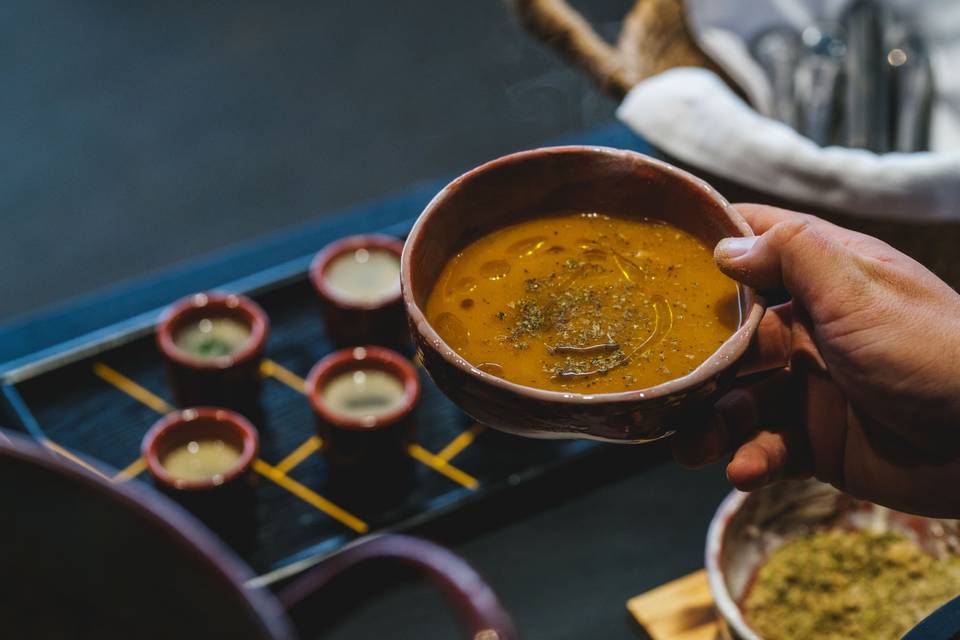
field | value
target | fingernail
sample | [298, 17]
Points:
[731, 248]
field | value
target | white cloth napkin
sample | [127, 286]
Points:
[692, 115]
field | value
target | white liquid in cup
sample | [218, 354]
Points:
[364, 394]
[201, 460]
[364, 276]
[211, 338]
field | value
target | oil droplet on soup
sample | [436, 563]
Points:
[463, 285]
[495, 269]
[526, 247]
[585, 303]
[452, 330]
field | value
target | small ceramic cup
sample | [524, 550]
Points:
[213, 344]
[363, 400]
[358, 282]
[202, 457]
[200, 425]
[542, 182]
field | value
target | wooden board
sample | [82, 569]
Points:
[679, 610]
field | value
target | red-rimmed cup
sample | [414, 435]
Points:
[366, 309]
[225, 500]
[183, 427]
[217, 377]
[375, 433]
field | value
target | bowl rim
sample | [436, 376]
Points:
[732, 349]
[322, 260]
[170, 423]
[232, 305]
[353, 358]
[716, 535]
[171, 520]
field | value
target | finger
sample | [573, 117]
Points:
[735, 417]
[700, 445]
[805, 355]
[761, 217]
[809, 411]
[826, 409]
[769, 399]
[770, 347]
[764, 455]
[703, 444]
[797, 254]
[758, 462]
[824, 404]
[769, 457]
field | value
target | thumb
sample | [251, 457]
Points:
[797, 254]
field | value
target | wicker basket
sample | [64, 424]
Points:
[655, 37]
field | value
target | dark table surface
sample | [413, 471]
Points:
[139, 135]
[136, 135]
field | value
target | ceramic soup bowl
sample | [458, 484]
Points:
[542, 182]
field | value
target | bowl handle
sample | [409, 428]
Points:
[476, 604]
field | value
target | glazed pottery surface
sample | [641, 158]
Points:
[99, 559]
[553, 180]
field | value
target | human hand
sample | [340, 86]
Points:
[869, 399]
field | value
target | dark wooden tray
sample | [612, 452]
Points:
[93, 404]
[85, 379]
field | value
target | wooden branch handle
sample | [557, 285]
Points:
[561, 27]
[655, 37]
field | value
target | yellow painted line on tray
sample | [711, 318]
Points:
[131, 388]
[442, 466]
[461, 442]
[310, 497]
[60, 451]
[279, 372]
[301, 453]
[133, 469]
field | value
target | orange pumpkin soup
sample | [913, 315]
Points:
[584, 303]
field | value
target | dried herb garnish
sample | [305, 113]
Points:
[565, 349]
[586, 328]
